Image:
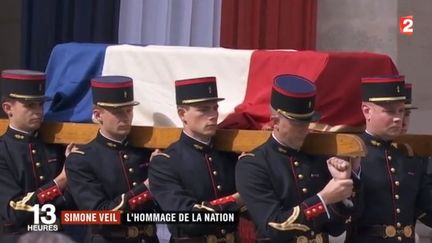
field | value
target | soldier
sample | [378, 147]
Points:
[107, 173]
[31, 172]
[191, 174]
[291, 196]
[408, 108]
[423, 217]
[394, 184]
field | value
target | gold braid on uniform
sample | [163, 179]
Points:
[289, 223]
[202, 206]
[21, 205]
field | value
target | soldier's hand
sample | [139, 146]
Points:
[336, 190]
[70, 148]
[339, 168]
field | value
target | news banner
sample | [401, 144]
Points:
[45, 218]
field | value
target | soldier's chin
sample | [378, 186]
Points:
[394, 132]
[35, 124]
[211, 132]
[124, 130]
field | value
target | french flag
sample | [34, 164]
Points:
[244, 79]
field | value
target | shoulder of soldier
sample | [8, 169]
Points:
[175, 150]
[246, 155]
[168, 153]
[83, 150]
[404, 148]
[257, 152]
[162, 155]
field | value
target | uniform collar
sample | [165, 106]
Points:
[280, 147]
[109, 142]
[198, 145]
[375, 141]
[20, 135]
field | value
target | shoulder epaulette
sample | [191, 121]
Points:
[163, 154]
[246, 154]
[77, 152]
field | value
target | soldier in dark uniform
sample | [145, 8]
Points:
[31, 172]
[426, 219]
[191, 175]
[107, 173]
[408, 108]
[394, 184]
[291, 196]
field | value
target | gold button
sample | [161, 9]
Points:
[134, 183]
[300, 176]
[296, 163]
[125, 156]
[34, 151]
[223, 231]
[139, 198]
[219, 187]
[210, 158]
[399, 238]
[131, 170]
[38, 164]
[398, 224]
[397, 210]
[133, 201]
[389, 157]
[397, 196]
[41, 177]
[393, 170]
[304, 190]
[314, 210]
[48, 193]
[214, 172]
[312, 233]
[397, 183]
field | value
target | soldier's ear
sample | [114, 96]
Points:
[7, 108]
[181, 113]
[96, 116]
[367, 110]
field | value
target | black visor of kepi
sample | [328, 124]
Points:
[196, 90]
[383, 88]
[408, 94]
[294, 97]
[23, 84]
[113, 91]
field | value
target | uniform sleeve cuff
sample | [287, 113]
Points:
[324, 204]
[48, 192]
[314, 207]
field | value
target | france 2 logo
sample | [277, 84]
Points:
[406, 25]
